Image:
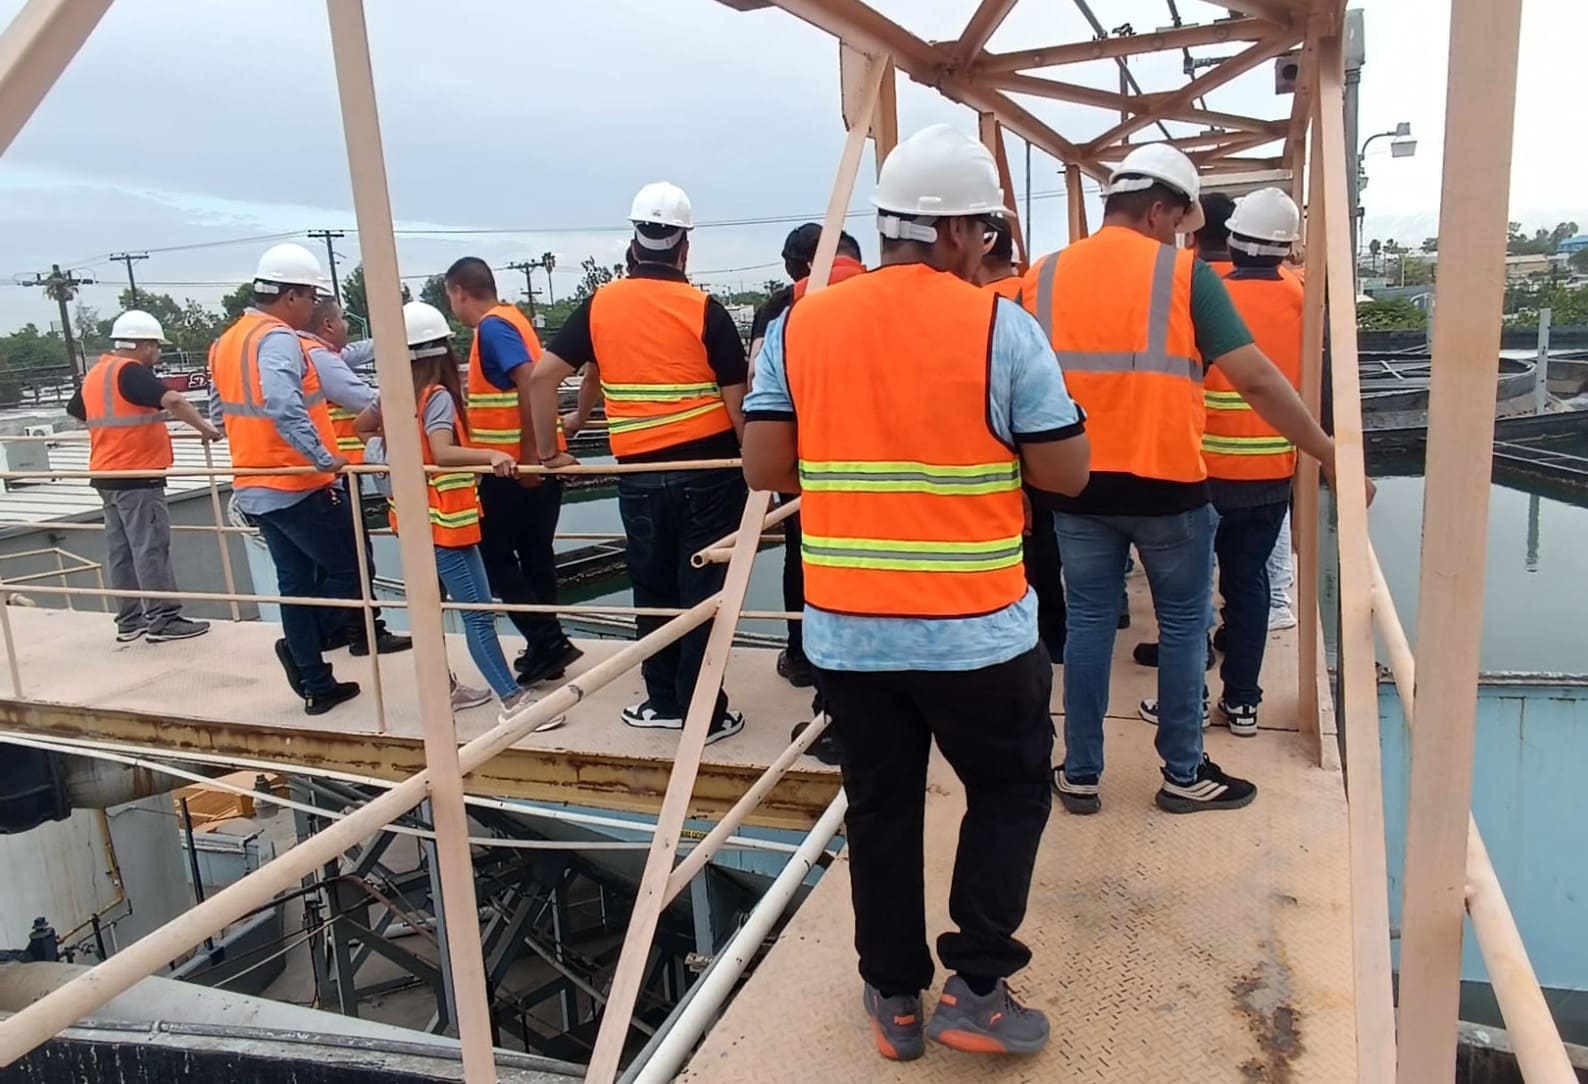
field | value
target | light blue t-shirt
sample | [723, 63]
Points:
[1027, 397]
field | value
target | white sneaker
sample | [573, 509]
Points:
[643, 715]
[467, 696]
[1281, 617]
[522, 699]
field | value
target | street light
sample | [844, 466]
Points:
[1402, 145]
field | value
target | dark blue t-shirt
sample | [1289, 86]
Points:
[502, 349]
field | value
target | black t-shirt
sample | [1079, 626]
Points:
[574, 344]
[140, 387]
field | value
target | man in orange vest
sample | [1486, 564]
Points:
[671, 368]
[799, 250]
[267, 389]
[917, 612]
[125, 407]
[1135, 322]
[1249, 463]
[519, 520]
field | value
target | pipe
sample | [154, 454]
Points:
[729, 964]
[1535, 1039]
[722, 549]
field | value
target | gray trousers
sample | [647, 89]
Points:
[138, 545]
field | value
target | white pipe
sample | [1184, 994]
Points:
[718, 983]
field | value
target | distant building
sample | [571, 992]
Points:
[1528, 266]
[1573, 245]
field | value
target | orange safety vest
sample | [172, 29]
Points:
[122, 435]
[911, 504]
[454, 501]
[844, 267]
[659, 387]
[1010, 287]
[1238, 444]
[494, 422]
[1117, 309]
[348, 443]
[251, 433]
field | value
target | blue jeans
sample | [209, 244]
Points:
[462, 572]
[668, 515]
[1244, 541]
[1175, 552]
[314, 550]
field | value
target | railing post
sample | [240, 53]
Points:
[1304, 521]
[366, 592]
[1479, 119]
[220, 535]
[11, 643]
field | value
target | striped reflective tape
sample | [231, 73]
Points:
[480, 400]
[630, 425]
[658, 393]
[899, 555]
[341, 414]
[494, 436]
[1224, 400]
[897, 476]
[1129, 361]
[1246, 445]
[441, 483]
[348, 444]
[466, 518]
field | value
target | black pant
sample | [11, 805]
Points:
[516, 542]
[793, 579]
[668, 516]
[994, 730]
[1245, 538]
[1043, 573]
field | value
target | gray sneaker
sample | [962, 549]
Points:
[178, 628]
[896, 1023]
[994, 1024]
[129, 633]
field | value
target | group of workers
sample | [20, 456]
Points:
[977, 452]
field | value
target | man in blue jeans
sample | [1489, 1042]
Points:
[1132, 318]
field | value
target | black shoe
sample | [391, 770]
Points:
[1077, 796]
[320, 703]
[546, 664]
[1146, 654]
[290, 665]
[1211, 789]
[1219, 640]
[824, 748]
[386, 643]
[725, 725]
[795, 669]
[1124, 619]
[178, 628]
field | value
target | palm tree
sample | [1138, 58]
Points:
[1373, 249]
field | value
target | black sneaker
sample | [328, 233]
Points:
[320, 703]
[128, 635]
[824, 748]
[178, 628]
[547, 664]
[725, 725]
[386, 643]
[290, 665]
[795, 669]
[1146, 654]
[1241, 717]
[646, 716]
[1211, 789]
[1077, 795]
[1148, 710]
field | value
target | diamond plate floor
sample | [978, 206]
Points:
[1207, 948]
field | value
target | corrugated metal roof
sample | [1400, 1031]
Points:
[23, 503]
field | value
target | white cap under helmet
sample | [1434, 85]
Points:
[662, 204]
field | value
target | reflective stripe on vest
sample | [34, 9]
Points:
[492, 412]
[1238, 444]
[911, 504]
[656, 378]
[250, 430]
[1116, 308]
[122, 435]
[454, 502]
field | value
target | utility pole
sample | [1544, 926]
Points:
[330, 255]
[548, 261]
[62, 287]
[129, 258]
[527, 266]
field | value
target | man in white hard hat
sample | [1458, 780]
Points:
[267, 389]
[334, 359]
[125, 407]
[672, 369]
[1136, 321]
[907, 404]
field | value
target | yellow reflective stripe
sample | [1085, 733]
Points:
[902, 476]
[658, 393]
[348, 444]
[1246, 445]
[494, 436]
[900, 555]
[466, 518]
[441, 483]
[479, 400]
[630, 425]
[341, 414]
[1224, 400]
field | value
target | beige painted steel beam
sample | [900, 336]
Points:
[983, 24]
[38, 44]
[1375, 1008]
[1479, 123]
[1075, 202]
[1218, 33]
[1275, 11]
[992, 137]
[1306, 523]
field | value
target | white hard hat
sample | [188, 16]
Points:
[1265, 223]
[289, 265]
[661, 204]
[425, 324]
[1159, 162]
[323, 290]
[135, 326]
[937, 173]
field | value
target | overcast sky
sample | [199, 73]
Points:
[185, 122]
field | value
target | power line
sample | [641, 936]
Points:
[330, 254]
[62, 287]
[129, 258]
